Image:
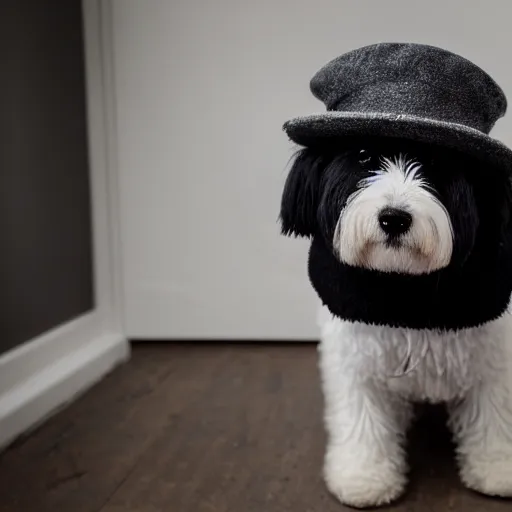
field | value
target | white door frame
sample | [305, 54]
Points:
[40, 376]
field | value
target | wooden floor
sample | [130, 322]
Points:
[206, 428]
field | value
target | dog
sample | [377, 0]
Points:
[410, 254]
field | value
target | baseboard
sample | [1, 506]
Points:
[41, 394]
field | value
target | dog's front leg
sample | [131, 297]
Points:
[482, 426]
[365, 462]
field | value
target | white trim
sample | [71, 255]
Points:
[103, 160]
[42, 375]
[28, 359]
[37, 397]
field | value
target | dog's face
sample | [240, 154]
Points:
[393, 220]
[391, 206]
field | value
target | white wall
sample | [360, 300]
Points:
[202, 89]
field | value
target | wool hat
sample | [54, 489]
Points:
[413, 91]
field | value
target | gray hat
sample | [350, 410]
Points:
[407, 90]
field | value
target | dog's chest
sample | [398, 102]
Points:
[418, 364]
[433, 366]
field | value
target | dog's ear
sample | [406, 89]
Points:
[462, 208]
[299, 201]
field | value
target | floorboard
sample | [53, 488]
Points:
[208, 428]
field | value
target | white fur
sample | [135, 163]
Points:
[368, 407]
[360, 241]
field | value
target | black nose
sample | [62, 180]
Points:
[395, 222]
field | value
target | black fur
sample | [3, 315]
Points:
[473, 289]
[299, 201]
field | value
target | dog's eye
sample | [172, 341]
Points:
[365, 157]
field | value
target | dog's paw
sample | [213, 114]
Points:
[488, 474]
[363, 483]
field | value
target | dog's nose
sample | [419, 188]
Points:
[395, 222]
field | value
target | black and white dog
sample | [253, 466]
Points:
[411, 255]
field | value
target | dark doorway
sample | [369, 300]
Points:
[46, 275]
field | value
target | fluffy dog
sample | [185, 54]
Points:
[411, 256]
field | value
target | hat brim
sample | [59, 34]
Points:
[317, 129]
